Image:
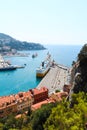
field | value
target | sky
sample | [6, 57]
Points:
[45, 21]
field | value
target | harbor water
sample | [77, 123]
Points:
[12, 82]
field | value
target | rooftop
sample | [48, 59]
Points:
[20, 97]
[13, 99]
[36, 91]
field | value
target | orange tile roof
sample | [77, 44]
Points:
[7, 100]
[21, 96]
[36, 91]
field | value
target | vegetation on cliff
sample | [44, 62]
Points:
[64, 117]
[81, 71]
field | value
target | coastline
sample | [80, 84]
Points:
[54, 80]
[25, 79]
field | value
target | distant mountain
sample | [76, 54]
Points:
[7, 42]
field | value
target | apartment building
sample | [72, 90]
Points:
[39, 94]
[15, 103]
[21, 101]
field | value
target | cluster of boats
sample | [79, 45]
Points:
[41, 71]
[5, 65]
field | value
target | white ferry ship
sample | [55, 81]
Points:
[44, 67]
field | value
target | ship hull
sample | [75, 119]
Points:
[7, 68]
[42, 74]
[44, 67]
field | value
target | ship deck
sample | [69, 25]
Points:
[55, 79]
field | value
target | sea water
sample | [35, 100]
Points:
[12, 82]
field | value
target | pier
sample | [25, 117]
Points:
[19, 67]
[55, 78]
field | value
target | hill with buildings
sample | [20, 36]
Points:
[7, 43]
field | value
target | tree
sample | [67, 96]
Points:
[65, 118]
[1, 126]
[81, 85]
[41, 115]
[73, 63]
[29, 111]
[83, 53]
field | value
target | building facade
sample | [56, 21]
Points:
[39, 94]
[22, 101]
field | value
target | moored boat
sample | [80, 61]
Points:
[44, 67]
[34, 55]
[4, 65]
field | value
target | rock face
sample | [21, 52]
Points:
[80, 72]
[7, 42]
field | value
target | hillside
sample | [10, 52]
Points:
[80, 71]
[8, 43]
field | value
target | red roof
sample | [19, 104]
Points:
[21, 96]
[8, 100]
[36, 91]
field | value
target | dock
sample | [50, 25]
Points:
[19, 67]
[55, 78]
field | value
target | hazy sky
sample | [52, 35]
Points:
[45, 21]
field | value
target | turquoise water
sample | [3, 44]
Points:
[12, 82]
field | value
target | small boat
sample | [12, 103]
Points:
[44, 67]
[25, 64]
[34, 55]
